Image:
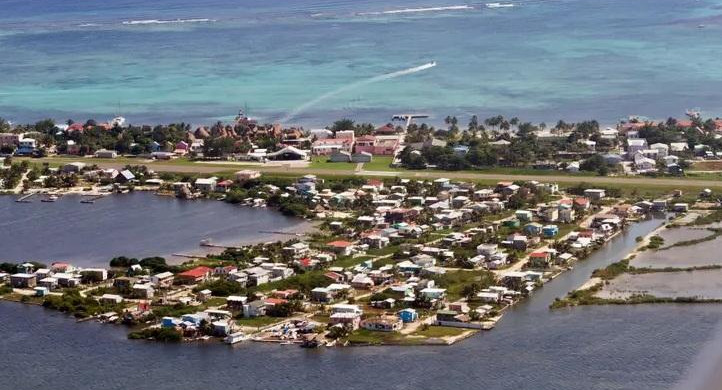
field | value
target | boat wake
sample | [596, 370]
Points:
[499, 5]
[417, 10]
[387, 76]
[167, 21]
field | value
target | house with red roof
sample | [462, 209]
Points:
[306, 263]
[284, 294]
[195, 275]
[340, 247]
[76, 127]
[274, 301]
[581, 203]
[387, 129]
[335, 276]
[540, 259]
[224, 185]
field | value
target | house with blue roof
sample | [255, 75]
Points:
[533, 229]
[408, 315]
[550, 230]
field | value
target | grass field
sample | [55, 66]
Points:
[258, 322]
[438, 331]
[321, 162]
[380, 163]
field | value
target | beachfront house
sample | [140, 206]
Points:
[125, 176]
[540, 259]
[206, 184]
[23, 280]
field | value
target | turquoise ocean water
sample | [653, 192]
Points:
[310, 61]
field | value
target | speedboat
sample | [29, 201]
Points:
[499, 5]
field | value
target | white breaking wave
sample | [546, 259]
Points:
[303, 107]
[168, 21]
[418, 10]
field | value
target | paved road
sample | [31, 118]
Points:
[464, 175]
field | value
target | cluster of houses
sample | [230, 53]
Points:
[344, 146]
[293, 143]
[435, 227]
[22, 145]
[58, 275]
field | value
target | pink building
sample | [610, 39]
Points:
[329, 146]
[378, 146]
[8, 139]
[182, 147]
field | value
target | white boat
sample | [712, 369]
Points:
[693, 113]
[499, 5]
[50, 198]
[235, 338]
[206, 242]
[118, 121]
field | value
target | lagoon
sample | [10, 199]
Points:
[137, 224]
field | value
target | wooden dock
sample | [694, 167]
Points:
[25, 198]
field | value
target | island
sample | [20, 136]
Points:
[408, 253]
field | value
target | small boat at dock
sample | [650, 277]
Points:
[50, 198]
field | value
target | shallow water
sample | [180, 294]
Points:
[705, 284]
[676, 235]
[196, 61]
[135, 225]
[701, 254]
